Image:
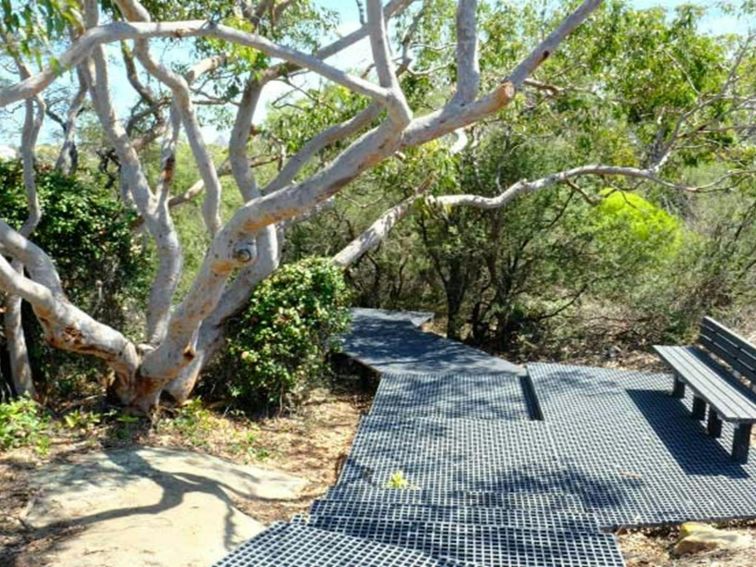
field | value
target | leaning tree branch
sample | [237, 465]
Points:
[39, 265]
[65, 326]
[68, 328]
[235, 247]
[267, 245]
[154, 105]
[451, 117]
[263, 251]
[321, 141]
[229, 250]
[396, 105]
[13, 323]
[525, 186]
[379, 230]
[158, 223]
[122, 31]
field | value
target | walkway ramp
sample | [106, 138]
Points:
[454, 466]
[446, 469]
[392, 342]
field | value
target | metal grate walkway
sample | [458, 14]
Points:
[464, 461]
[473, 490]
[634, 454]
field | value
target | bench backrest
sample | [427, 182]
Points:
[730, 347]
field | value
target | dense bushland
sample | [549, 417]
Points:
[596, 266]
[101, 260]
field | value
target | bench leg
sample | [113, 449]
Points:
[740, 443]
[699, 408]
[678, 389]
[714, 424]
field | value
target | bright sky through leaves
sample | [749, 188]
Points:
[355, 57]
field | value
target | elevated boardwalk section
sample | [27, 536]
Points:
[452, 466]
[391, 342]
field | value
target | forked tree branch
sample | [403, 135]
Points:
[182, 103]
[157, 220]
[246, 246]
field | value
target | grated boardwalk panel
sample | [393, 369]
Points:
[508, 441]
[490, 486]
[483, 545]
[468, 396]
[393, 344]
[530, 518]
[298, 545]
[362, 491]
[634, 454]
[445, 454]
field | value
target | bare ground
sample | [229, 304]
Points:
[309, 444]
[653, 548]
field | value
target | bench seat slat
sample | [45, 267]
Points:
[729, 345]
[732, 348]
[700, 380]
[710, 383]
[733, 401]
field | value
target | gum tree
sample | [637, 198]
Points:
[180, 336]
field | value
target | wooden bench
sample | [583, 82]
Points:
[720, 370]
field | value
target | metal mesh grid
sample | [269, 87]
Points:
[494, 489]
[446, 454]
[470, 396]
[507, 441]
[362, 491]
[429, 473]
[535, 518]
[485, 545]
[394, 345]
[634, 454]
[297, 545]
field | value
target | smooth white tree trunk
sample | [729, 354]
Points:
[181, 338]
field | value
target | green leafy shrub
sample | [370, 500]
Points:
[23, 423]
[627, 219]
[279, 344]
[87, 232]
[83, 225]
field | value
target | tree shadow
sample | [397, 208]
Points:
[124, 466]
[685, 438]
